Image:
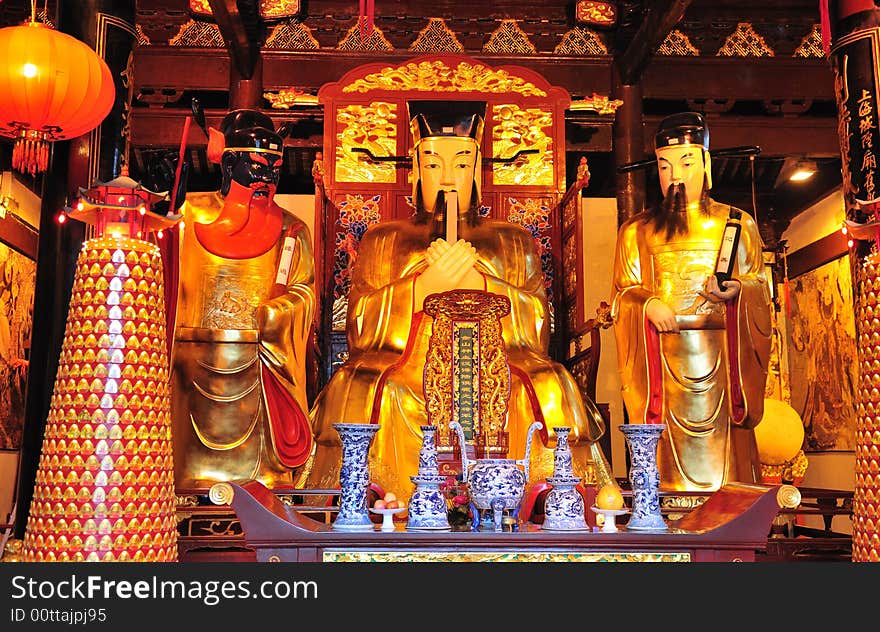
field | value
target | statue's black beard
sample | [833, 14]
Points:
[670, 215]
[437, 219]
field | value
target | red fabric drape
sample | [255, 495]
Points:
[290, 425]
[654, 412]
[737, 401]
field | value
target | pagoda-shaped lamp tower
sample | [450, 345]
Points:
[105, 482]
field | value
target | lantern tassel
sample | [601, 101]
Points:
[30, 155]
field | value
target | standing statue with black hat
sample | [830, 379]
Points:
[244, 316]
[400, 262]
[691, 309]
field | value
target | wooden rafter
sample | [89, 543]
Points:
[661, 17]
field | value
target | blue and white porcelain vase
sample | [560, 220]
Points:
[564, 506]
[562, 466]
[428, 465]
[354, 477]
[642, 439]
[427, 506]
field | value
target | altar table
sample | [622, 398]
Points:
[731, 526]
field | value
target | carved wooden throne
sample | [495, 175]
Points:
[467, 376]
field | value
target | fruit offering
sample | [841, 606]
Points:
[609, 497]
[389, 501]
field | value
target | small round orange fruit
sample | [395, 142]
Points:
[389, 496]
[379, 504]
[609, 497]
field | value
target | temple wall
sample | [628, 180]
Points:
[26, 206]
[303, 206]
[599, 227]
[823, 218]
[830, 469]
[8, 477]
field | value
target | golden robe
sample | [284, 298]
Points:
[239, 407]
[706, 383]
[388, 339]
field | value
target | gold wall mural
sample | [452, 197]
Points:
[17, 277]
[370, 126]
[822, 351]
[515, 128]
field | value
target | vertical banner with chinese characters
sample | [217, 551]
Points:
[854, 63]
[855, 27]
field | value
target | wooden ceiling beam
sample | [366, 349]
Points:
[776, 136]
[737, 78]
[661, 16]
[241, 45]
[177, 68]
[158, 127]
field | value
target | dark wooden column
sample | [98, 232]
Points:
[855, 29]
[244, 32]
[59, 245]
[246, 92]
[659, 18]
[106, 25]
[629, 146]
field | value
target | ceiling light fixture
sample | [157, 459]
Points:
[804, 170]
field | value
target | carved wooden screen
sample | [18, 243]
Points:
[367, 109]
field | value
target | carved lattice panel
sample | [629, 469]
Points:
[745, 42]
[436, 38]
[292, 35]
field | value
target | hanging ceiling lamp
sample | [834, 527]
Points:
[54, 87]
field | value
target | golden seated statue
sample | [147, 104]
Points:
[402, 262]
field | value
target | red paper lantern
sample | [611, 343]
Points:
[54, 87]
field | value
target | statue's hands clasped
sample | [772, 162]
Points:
[450, 267]
[716, 294]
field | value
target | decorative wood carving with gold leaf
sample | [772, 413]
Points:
[490, 387]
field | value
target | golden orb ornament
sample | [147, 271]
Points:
[780, 434]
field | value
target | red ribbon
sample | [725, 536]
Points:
[825, 20]
[367, 12]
